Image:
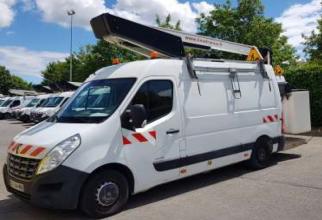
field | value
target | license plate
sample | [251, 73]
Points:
[17, 186]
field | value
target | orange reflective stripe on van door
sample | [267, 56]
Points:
[141, 137]
[126, 141]
[153, 134]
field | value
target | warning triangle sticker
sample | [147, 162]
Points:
[253, 55]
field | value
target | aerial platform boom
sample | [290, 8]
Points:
[169, 43]
[144, 40]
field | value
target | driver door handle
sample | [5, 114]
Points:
[173, 131]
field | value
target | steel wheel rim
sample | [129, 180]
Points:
[107, 194]
[261, 154]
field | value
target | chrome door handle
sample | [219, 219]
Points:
[173, 131]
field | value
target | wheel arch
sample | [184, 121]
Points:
[123, 169]
[263, 136]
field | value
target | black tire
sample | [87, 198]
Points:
[261, 154]
[6, 116]
[25, 119]
[89, 201]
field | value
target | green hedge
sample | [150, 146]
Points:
[309, 76]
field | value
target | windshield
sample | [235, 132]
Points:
[32, 103]
[6, 103]
[1, 101]
[95, 101]
[42, 102]
[53, 102]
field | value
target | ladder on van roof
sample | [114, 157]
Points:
[143, 40]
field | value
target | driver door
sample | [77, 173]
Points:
[158, 141]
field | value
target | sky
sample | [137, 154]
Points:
[36, 32]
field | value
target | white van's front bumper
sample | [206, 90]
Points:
[57, 189]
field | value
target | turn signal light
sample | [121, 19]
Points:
[154, 55]
[116, 61]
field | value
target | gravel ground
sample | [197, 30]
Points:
[291, 188]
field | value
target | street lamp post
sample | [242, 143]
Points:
[71, 13]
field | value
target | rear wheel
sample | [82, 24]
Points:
[261, 154]
[105, 194]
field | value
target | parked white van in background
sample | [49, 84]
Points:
[15, 102]
[133, 126]
[4, 107]
[27, 100]
[25, 113]
[54, 103]
[2, 100]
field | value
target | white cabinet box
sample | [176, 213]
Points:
[296, 111]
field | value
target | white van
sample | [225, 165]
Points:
[54, 103]
[24, 114]
[34, 111]
[28, 101]
[5, 106]
[2, 100]
[11, 104]
[133, 126]
[137, 125]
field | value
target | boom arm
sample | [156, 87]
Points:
[209, 43]
[169, 43]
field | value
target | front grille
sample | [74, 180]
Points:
[21, 167]
[38, 116]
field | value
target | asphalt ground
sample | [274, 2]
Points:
[290, 188]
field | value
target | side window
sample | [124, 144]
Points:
[157, 98]
[15, 103]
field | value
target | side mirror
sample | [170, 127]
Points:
[134, 117]
[138, 115]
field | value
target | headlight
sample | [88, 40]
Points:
[59, 154]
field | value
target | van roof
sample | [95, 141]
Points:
[138, 69]
[164, 67]
[43, 96]
[66, 94]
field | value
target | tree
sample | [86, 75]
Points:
[308, 76]
[246, 24]
[56, 71]
[8, 81]
[284, 53]
[5, 78]
[87, 61]
[313, 44]
[18, 83]
[167, 23]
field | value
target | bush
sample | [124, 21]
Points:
[309, 77]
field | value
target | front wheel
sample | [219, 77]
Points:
[261, 154]
[6, 116]
[105, 194]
